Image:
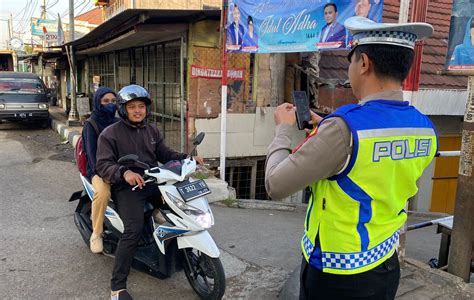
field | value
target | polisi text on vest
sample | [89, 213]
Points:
[400, 149]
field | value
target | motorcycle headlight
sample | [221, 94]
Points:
[204, 219]
[43, 106]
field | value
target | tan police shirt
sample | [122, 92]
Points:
[323, 155]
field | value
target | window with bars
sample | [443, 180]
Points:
[156, 67]
[247, 177]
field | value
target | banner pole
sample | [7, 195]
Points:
[223, 91]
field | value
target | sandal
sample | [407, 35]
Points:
[122, 295]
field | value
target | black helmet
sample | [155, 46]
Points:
[129, 93]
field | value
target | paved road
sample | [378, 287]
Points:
[43, 256]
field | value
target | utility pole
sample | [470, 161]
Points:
[462, 237]
[43, 17]
[10, 26]
[71, 20]
[73, 118]
[412, 82]
[223, 91]
[43, 10]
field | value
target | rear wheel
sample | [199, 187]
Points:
[44, 123]
[205, 274]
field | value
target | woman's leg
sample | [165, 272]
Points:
[99, 205]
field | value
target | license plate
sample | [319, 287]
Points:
[193, 190]
[23, 115]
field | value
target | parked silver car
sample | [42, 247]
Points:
[23, 97]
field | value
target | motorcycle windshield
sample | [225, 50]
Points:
[174, 166]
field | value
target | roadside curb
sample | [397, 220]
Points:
[447, 283]
[261, 204]
[66, 132]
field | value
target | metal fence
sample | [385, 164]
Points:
[247, 177]
[160, 69]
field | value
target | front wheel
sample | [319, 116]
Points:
[205, 274]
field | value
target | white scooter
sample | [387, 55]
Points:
[180, 240]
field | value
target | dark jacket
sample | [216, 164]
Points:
[89, 134]
[231, 38]
[336, 33]
[121, 139]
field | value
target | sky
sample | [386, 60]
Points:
[23, 10]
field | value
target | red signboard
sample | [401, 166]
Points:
[210, 73]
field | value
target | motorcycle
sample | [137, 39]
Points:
[180, 241]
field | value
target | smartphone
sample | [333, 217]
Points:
[303, 114]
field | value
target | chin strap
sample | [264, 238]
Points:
[134, 124]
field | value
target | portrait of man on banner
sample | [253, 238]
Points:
[332, 31]
[235, 30]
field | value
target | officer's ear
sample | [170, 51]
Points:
[365, 63]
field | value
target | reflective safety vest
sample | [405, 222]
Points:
[353, 219]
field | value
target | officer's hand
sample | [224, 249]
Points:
[315, 119]
[199, 160]
[285, 114]
[133, 179]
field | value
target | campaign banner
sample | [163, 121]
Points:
[51, 37]
[460, 55]
[40, 26]
[210, 73]
[274, 26]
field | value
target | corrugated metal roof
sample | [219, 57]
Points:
[441, 102]
[124, 21]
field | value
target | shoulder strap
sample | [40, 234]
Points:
[94, 124]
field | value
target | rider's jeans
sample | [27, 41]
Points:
[99, 204]
[130, 205]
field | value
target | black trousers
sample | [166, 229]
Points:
[130, 205]
[380, 283]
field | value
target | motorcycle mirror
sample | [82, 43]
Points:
[129, 158]
[199, 138]
[197, 141]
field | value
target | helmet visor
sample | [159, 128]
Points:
[134, 92]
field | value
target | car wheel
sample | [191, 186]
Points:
[44, 123]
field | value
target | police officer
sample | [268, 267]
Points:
[362, 164]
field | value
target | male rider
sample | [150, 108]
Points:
[131, 135]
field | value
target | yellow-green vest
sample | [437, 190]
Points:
[353, 219]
